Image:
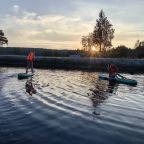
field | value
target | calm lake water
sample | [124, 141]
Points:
[70, 107]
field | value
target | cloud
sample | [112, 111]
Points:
[31, 29]
[16, 8]
[61, 24]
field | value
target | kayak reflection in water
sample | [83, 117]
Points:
[100, 92]
[98, 95]
[29, 87]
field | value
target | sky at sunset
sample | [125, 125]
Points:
[60, 24]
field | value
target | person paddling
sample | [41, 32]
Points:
[113, 70]
[30, 59]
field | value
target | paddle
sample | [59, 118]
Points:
[121, 76]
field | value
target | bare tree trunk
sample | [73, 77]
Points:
[100, 47]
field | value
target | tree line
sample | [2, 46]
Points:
[118, 52]
[125, 52]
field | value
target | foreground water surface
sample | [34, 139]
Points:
[72, 107]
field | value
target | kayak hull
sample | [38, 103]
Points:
[119, 80]
[24, 75]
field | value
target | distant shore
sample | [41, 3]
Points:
[67, 63]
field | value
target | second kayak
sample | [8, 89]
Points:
[119, 80]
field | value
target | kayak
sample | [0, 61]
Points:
[119, 80]
[24, 75]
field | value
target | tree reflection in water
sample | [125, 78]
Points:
[101, 91]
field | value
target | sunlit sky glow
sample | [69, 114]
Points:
[60, 24]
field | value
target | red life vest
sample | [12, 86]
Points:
[113, 70]
[30, 56]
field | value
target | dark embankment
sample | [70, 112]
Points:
[87, 64]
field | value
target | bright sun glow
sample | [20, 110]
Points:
[93, 48]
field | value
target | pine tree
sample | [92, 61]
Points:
[103, 32]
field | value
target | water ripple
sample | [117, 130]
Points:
[70, 107]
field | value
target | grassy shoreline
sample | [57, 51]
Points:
[67, 63]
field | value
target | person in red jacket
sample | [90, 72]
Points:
[30, 59]
[113, 70]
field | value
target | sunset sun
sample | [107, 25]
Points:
[94, 49]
